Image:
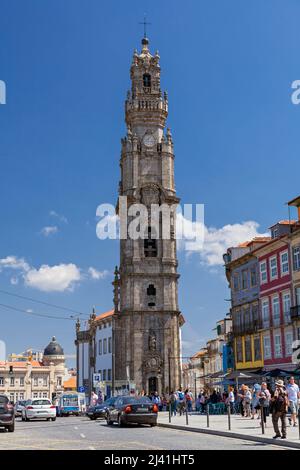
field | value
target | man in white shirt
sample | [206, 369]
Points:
[293, 396]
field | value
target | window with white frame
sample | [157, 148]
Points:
[276, 310]
[286, 302]
[45, 395]
[296, 258]
[12, 397]
[273, 267]
[265, 308]
[100, 347]
[105, 346]
[59, 381]
[109, 344]
[277, 345]
[263, 272]
[1, 381]
[45, 381]
[21, 381]
[21, 396]
[35, 381]
[284, 263]
[288, 343]
[35, 395]
[12, 381]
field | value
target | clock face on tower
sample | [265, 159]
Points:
[149, 140]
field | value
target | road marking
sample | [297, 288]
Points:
[75, 427]
[83, 436]
[92, 448]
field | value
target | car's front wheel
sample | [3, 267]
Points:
[53, 419]
[109, 421]
[11, 427]
[120, 422]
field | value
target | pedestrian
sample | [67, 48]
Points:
[94, 398]
[230, 399]
[279, 406]
[173, 403]
[180, 401]
[156, 399]
[188, 397]
[264, 402]
[247, 402]
[214, 397]
[255, 400]
[293, 395]
[203, 402]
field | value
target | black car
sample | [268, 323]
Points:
[131, 409]
[7, 414]
[100, 410]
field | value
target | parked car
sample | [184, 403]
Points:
[129, 409]
[100, 410]
[7, 414]
[39, 408]
[19, 406]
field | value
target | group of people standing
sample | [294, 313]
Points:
[262, 401]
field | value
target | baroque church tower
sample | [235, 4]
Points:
[147, 317]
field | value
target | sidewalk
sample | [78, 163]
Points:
[241, 428]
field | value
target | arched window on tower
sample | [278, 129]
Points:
[147, 80]
[151, 293]
[150, 245]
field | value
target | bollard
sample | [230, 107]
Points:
[229, 416]
[186, 416]
[299, 422]
[262, 419]
[170, 412]
[207, 414]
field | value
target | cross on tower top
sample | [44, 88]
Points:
[145, 23]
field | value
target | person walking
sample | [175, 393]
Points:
[240, 397]
[230, 400]
[156, 400]
[255, 401]
[188, 397]
[180, 398]
[293, 395]
[173, 403]
[264, 402]
[247, 402]
[279, 406]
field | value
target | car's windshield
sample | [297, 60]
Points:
[70, 400]
[41, 402]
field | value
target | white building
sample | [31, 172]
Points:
[94, 354]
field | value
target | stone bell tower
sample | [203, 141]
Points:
[148, 320]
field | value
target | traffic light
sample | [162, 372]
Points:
[11, 370]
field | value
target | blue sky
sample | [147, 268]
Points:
[227, 67]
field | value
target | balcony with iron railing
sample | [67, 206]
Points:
[247, 328]
[295, 312]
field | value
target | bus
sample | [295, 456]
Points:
[71, 403]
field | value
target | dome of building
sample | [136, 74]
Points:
[53, 348]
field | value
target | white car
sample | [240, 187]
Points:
[37, 408]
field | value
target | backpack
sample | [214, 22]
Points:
[181, 396]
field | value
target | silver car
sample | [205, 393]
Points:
[38, 408]
[19, 406]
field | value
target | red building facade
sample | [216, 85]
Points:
[275, 302]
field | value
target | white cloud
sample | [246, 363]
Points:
[95, 274]
[53, 278]
[49, 230]
[61, 217]
[13, 262]
[216, 240]
[57, 278]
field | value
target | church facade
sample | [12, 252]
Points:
[147, 320]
